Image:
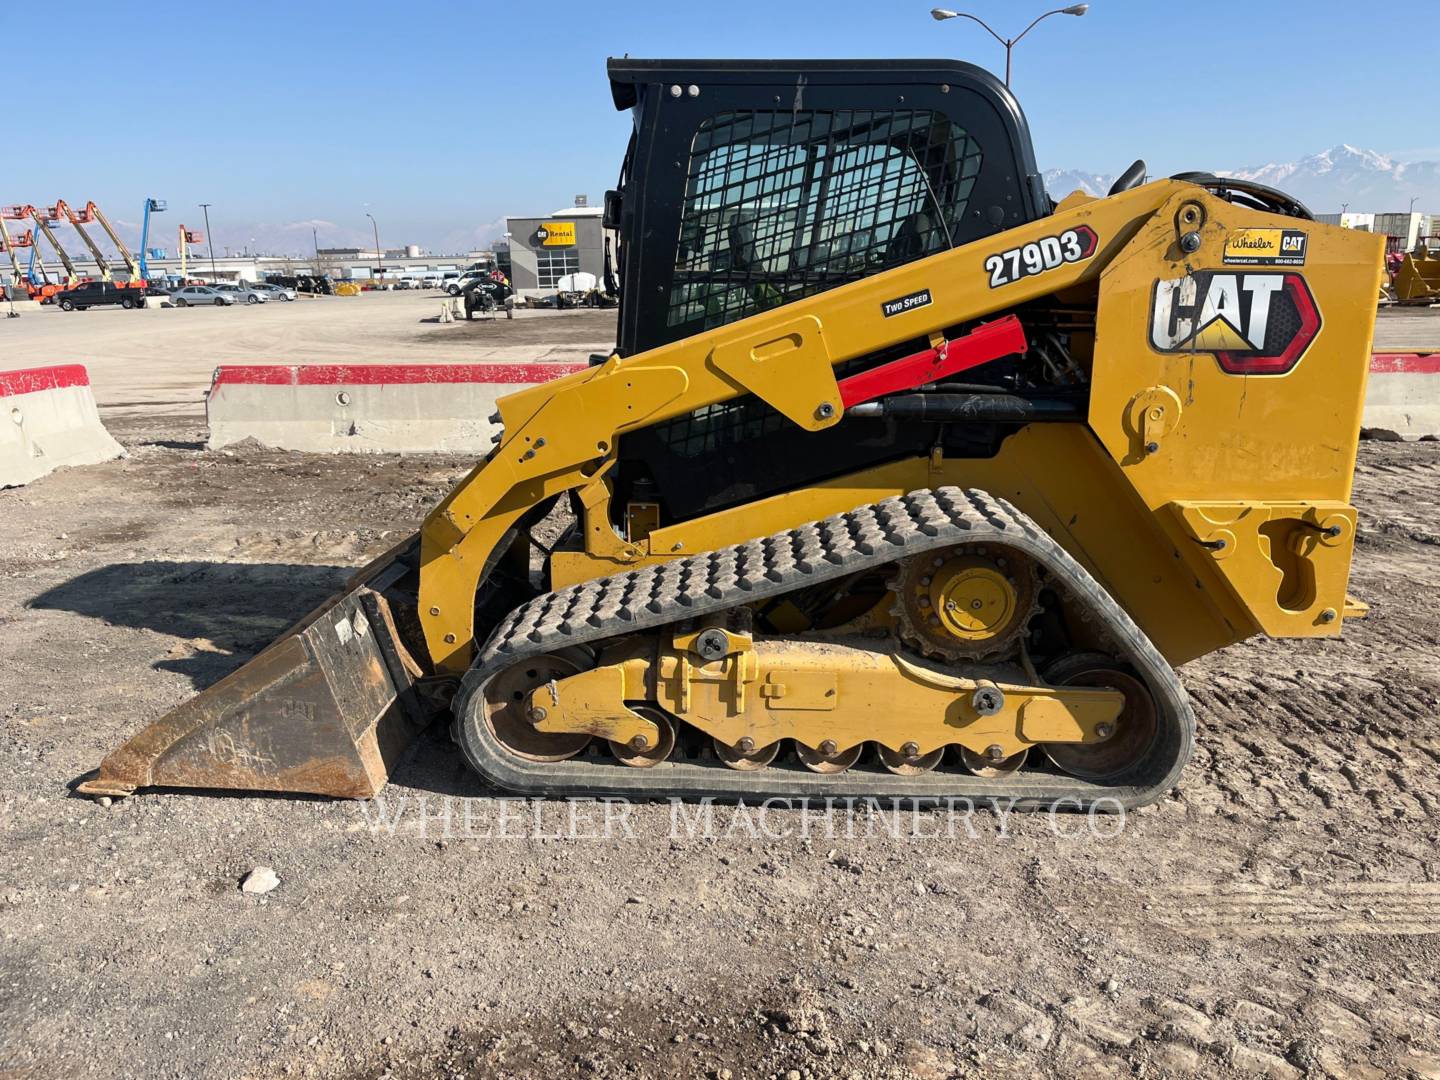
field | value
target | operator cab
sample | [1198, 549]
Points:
[752, 183]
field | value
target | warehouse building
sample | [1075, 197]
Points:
[1403, 229]
[565, 249]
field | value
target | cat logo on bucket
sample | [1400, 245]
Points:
[1255, 324]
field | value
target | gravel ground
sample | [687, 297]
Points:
[160, 360]
[1277, 915]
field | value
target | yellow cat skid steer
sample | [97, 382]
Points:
[901, 481]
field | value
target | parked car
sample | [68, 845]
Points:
[243, 293]
[191, 295]
[98, 294]
[456, 286]
[273, 291]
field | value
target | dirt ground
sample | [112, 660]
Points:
[1278, 914]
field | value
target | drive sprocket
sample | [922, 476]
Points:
[970, 602]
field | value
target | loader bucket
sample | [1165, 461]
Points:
[1418, 279]
[326, 709]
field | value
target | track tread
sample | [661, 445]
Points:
[869, 536]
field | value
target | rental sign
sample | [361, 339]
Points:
[556, 234]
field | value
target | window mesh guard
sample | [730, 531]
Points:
[783, 204]
[780, 205]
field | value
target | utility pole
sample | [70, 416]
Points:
[379, 254]
[210, 237]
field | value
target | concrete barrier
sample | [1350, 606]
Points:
[1404, 394]
[445, 408]
[48, 420]
[366, 408]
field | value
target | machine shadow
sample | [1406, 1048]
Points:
[220, 613]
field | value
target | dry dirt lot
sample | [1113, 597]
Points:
[1278, 915]
[161, 359]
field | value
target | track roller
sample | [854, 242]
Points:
[745, 758]
[826, 759]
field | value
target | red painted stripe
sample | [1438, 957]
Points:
[383, 374]
[30, 380]
[1408, 363]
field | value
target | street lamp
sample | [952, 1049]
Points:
[210, 237]
[378, 253]
[941, 14]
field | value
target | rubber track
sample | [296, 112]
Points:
[861, 539]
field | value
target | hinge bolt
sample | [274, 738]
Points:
[828, 747]
[537, 714]
[910, 749]
[1328, 615]
[640, 742]
[825, 410]
[745, 745]
[995, 752]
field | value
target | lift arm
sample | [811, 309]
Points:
[43, 221]
[562, 435]
[17, 213]
[188, 237]
[136, 275]
[79, 221]
[151, 206]
[10, 245]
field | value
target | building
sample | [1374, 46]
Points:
[567, 245]
[1403, 229]
[1406, 228]
[1363, 222]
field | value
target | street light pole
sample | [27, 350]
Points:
[380, 255]
[209, 236]
[941, 14]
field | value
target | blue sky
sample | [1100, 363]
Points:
[441, 118]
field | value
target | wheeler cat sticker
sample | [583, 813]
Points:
[1047, 253]
[1254, 323]
[1265, 247]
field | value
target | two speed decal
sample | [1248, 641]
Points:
[1048, 253]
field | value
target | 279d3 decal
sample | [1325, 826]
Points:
[1254, 323]
[1047, 253]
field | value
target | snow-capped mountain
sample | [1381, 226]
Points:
[1367, 181]
[1346, 174]
[1061, 182]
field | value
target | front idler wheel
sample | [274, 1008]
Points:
[507, 717]
[1134, 731]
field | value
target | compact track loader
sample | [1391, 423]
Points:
[901, 481]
